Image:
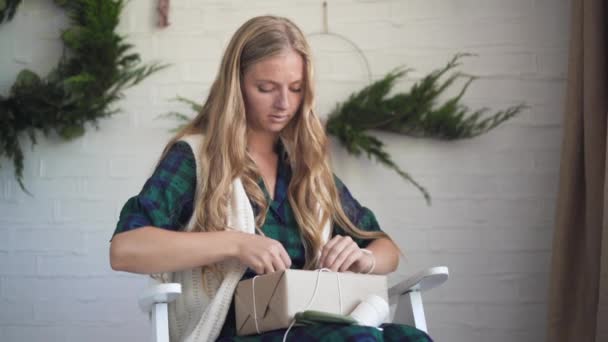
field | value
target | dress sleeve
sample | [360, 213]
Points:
[360, 216]
[166, 199]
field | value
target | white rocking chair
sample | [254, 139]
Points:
[406, 295]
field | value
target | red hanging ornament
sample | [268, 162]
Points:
[163, 13]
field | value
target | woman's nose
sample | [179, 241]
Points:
[282, 100]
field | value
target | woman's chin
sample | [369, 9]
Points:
[275, 127]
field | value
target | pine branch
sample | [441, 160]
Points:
[413, 113]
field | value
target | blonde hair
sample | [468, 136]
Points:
[224, 154]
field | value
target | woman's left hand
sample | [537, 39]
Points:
[342, 254]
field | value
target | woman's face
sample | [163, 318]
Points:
[272, 89]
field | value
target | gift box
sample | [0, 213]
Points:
[278, 296]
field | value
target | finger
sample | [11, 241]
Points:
[268, 267]
[327, 248]
[285, 257]
[281, 259]
[336, 251]
[258, 267]
[277, 264]
[344, 253]
[345, 247]
[277, 261]
[350, 260]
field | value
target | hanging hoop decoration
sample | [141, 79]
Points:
[96, 66]
[358, 50]
[333, 126]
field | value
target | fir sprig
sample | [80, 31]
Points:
[96, 67]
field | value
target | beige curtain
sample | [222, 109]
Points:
[578, 298]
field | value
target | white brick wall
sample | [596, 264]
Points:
[493, 196]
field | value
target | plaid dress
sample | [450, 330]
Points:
[166, 201]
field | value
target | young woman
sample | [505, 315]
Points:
[257, 138]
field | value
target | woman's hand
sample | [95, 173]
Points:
[262, 254]
[342, 254]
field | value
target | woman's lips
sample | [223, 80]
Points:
[278, 118]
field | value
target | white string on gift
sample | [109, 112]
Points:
[370, 312]
[314, 294]
[255, 309]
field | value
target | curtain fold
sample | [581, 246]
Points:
[578, 296]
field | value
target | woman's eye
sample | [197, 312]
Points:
[296, 90]
[265, 90]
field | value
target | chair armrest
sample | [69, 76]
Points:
[159, 293]
[421, 281]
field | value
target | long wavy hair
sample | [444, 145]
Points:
[224, 155]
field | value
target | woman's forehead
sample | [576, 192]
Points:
[287, 67]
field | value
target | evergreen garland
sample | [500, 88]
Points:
[414, 113]
[96, 67]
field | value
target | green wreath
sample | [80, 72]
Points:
[95, 68]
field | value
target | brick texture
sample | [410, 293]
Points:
[493, 196]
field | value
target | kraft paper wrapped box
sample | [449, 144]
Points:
[280, 295]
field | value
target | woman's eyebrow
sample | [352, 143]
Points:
[277, 83]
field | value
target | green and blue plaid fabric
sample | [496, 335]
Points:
[166, 201]
[338, 332]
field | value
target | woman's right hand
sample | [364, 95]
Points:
[261, 254]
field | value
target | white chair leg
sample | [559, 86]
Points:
[160, 322]
[411, 311]
[154, 301]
